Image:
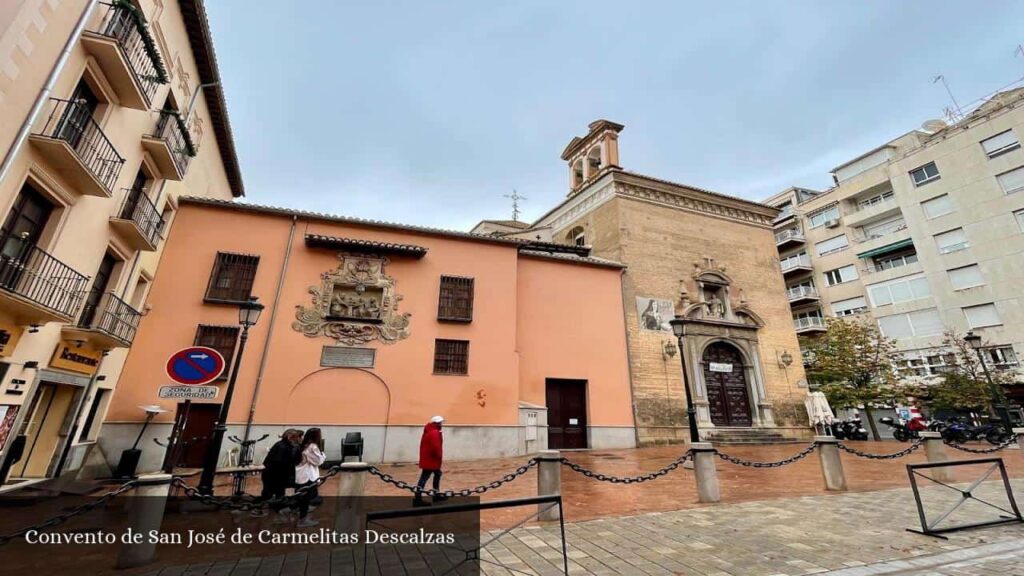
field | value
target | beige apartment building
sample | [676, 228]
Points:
[924, 233]
[110, 110]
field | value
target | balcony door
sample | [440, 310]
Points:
[21, 231]
[100, 283]
[135, 193]
[78, 114]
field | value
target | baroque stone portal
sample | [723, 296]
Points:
[354, 304]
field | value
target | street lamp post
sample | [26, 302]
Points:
[678, 325]
[975, 342]
[248, 315]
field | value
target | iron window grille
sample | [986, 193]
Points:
[232, 277]
[220, 338]
[451, 357]
[455, 303]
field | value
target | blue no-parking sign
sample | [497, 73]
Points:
[195, 365]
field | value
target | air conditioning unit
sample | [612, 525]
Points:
[834, 223]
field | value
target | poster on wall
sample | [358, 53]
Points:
[7, 415]
[654, 314]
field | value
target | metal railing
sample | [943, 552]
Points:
[788, 235]
[138, 208]
[31, 273]
[785, 213]
[171, 129]
[112, 316]
[797, 292]
[882, 231]
[809, 322]
[72, 122]
[790, 263]
[123, 25]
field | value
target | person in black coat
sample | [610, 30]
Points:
[279, 465]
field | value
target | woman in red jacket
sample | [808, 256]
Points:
[431, 455]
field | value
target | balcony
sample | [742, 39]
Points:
[170, 145]
[127, 54]
[867, 214]
[35, 287]
[785, 214]
[809, 324]
[138, 222]
[880, 245]
[78, 149]
[796, 264]
[791, 237]
[801, 294]
[111, 323]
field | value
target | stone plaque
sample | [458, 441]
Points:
[344, 357]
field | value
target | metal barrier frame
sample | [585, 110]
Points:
[473, 555]
[929, 529]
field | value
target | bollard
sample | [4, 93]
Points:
[831, 465]
[935, 451]
[549, 481]
[704, 455]
[1019, 433]
[349, 512]
[147, 515]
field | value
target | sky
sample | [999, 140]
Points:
[429, 113]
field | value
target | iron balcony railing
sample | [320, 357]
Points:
[31, 273]
[138, 208]
[171, 129]
[71, 121]
[797, 292]
[809, 322]
[788, 235]
[112, 316]
[790, 263]
[124, 24]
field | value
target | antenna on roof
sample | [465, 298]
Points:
[955, 113]
[515, 203]
[1019, 51]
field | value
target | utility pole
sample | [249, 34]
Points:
[515, 203]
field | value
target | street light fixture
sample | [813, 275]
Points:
[678, 328]
[975, 342]
[248, 315]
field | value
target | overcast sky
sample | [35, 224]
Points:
[429, 112]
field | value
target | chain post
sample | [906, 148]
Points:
[831, 464]
[549, 481]
[349, 517]
[1018, 433]
[935, 451]
[704, 470]
[147, 515]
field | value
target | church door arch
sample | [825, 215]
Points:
[726, 382]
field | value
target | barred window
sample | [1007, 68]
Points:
[232, 277]
[456, 299]
[451, 356]
[220, 338]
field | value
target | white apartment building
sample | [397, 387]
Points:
[924, 233]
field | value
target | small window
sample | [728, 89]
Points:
[455, 302]
[1012, 181]
[1000, 143]
[576, 236]
[232, 277]
[840, 275]
[451, 357]
[938, 206]
[90, 430]
[925, 174]
[834, 244]
[951, 241]
[982, 315]
[966, 277]
[849, 307]
[1019, 215]
[220, 338]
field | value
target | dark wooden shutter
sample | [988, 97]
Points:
[451, 356]
[232, 277]
[220, 338]
[455, 303]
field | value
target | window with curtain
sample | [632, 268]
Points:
[951, 241]
[982, 315]
[831, 245]
[899, 290]
[938, 206]
[1012, 181]
[966, 277]
[1000, 143]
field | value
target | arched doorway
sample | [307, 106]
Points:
[726, 382]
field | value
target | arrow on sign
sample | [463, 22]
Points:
[199, 356]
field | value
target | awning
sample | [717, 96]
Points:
[887, 248]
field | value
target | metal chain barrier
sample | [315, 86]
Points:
[69, 514]
[628, 479]
[913, 446]
[752, 464]
[997, 448]
[403, 485]
[231, 503]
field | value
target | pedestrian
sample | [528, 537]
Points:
[307, 472]
[431, 455]
[279, 470]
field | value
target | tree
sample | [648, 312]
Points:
[854, 365]
[962, 384]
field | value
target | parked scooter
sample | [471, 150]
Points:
[904, 431]
[850, 429]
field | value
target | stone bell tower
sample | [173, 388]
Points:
[592, 154]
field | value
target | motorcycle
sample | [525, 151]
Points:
[956, 430]
[904, 431]
[851, 429]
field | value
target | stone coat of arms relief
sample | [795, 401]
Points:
[354, 304]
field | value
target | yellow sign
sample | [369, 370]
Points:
[76, 358]
[9, 335]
